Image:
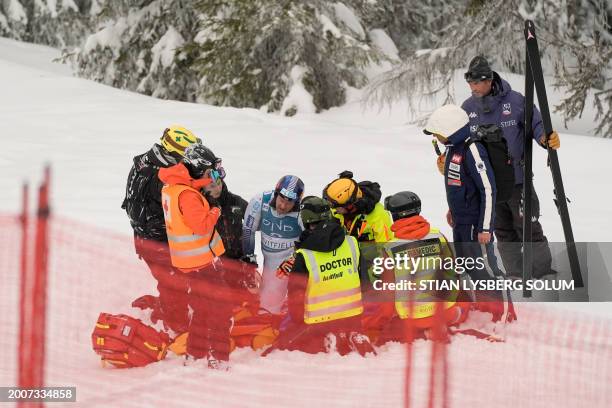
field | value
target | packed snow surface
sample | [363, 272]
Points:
[89, 133]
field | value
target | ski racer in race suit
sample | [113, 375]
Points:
[143, 206]
[494, 102]
[470, 193]
[275, 214]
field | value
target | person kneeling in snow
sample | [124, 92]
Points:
[414, 237]
[324, 287]
[357, 208]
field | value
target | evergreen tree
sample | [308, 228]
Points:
[577, 29]
[59, 23]
[13, 19]
[584, 61]
[252, 53]
[136, 47]
[412, 24]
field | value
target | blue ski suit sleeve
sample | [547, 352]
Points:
[251, 223]
[481, 172]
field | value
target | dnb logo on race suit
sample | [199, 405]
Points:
[277, 225]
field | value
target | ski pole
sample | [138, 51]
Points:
[436, 147]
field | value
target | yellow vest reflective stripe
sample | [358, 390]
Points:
[375, 226]
[334, 289]
[423, 302]
[188, 250]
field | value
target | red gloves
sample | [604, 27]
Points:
[285, 268]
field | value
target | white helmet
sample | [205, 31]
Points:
[446, 120]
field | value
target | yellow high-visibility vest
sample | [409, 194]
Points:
[432, 246]
[188, 250]
[334, 289]
[375, 226]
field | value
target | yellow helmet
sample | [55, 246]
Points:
[176, 139]
[342, 191]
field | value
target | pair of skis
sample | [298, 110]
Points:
[535, 78]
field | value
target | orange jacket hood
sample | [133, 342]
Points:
[415, 227]
[178, 174]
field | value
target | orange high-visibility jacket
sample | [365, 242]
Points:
[190, 222]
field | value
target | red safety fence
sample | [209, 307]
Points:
[549, 357]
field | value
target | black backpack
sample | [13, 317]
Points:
[492, 138]
[143, 200]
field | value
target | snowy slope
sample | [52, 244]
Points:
[90, 132]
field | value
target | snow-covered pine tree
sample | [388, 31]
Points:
[136, 47]
[280, 55]
[424, 72]
[495, 29]
[411, 24]
[13, 19]
[58, 23]
[584, 61]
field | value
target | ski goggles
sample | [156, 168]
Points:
[288, 194]
[217, 173]
[316, 208]
[475, 78]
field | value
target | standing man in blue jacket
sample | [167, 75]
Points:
[470, 193]
[494, 102]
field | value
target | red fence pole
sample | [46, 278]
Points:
[24, 375]
[40, 282]
[33, 293]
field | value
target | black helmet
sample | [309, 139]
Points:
[478, 70]
[314, 209]
[403, 205]
[199, 158]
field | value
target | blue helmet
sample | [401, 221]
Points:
[290, 187]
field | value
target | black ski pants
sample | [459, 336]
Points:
[509, 233]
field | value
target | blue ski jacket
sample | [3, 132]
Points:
[506, 109]
[469, 182]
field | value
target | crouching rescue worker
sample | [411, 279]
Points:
[415, 238]
[195, 247]
[324, 288]
[357, 208]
